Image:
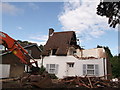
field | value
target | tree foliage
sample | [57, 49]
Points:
[115, 61]
[24, 43]
[42, 70]
[111, 10]
[41, 47]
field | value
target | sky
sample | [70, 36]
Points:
[30, 21]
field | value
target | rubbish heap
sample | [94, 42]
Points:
[89, 82]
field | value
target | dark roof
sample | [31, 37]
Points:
[25, 47]
[60, 41]
[32, 46]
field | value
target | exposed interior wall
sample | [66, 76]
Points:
[96, 52]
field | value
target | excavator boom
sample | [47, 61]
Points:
[33, 78]
[13, 46]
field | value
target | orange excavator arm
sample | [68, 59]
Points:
[13, 46]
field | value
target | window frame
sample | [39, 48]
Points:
[70, 65]
[52, 70]
[95, 69]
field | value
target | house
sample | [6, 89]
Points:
[11, 65]
[63, 57]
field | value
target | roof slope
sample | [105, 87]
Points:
[34, 47]
[60, 41]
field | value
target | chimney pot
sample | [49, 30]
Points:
[51, 31]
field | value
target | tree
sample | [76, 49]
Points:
[24, 43]
[41, 47]
[115, 61]
[111, 10]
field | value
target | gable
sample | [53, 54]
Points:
[35, 51]
[9, 57]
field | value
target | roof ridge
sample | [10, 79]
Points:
[30, 45]
[64, 32]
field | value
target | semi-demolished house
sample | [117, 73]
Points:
[11, 65]
[63, 57]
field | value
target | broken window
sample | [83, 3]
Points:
[90, 69]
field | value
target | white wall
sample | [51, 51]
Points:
[78, 66]
[5, 70]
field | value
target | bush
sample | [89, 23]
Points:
[42, 69]
[53, 76]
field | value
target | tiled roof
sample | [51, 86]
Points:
[60, 41]
[25, 47]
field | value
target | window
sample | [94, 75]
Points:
[70, 64]
[27, 68]
[52, 68]
[90, 69]
[54, 51]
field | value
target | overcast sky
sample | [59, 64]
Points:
[31, 20]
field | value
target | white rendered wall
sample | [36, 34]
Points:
[78, 64]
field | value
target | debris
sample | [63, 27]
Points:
[89, 82]
[40, 81]
[67, 82]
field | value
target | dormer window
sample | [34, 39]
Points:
[71, 51]
[54, 51]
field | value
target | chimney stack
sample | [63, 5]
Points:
[51, 31]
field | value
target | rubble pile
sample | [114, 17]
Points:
[89, 82]
[67, 82]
